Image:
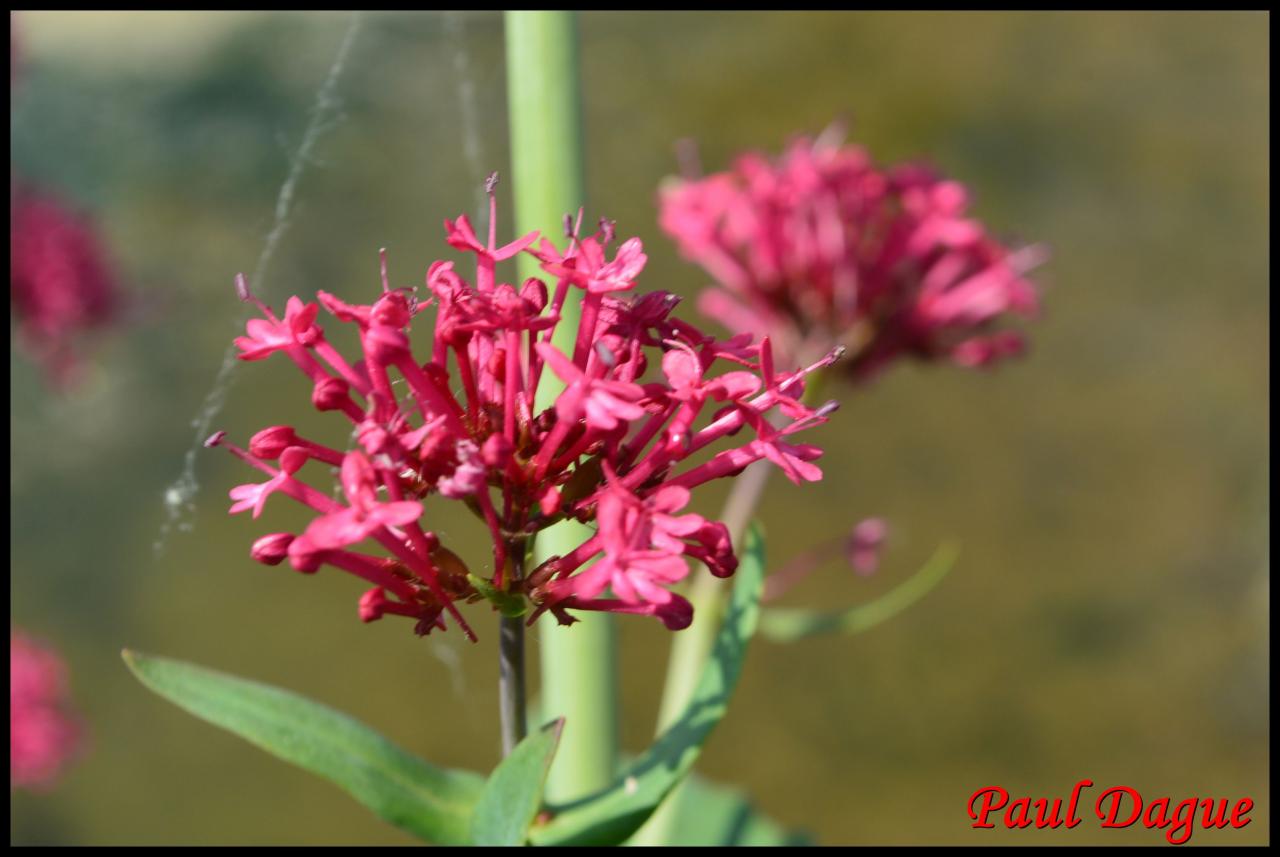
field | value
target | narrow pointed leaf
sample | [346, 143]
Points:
[513, 793]
[787, 624]
[434, 804]
[613, 814]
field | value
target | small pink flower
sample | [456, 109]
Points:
[365, 515]
[604, 404]
[43, 734]
[267, 336]
[254, 495]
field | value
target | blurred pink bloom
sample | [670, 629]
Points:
[821, 248]
[61, 286]
[463, 424]
[43, 734]
[860, 547]
[865, 544]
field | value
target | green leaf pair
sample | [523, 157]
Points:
[451, 807]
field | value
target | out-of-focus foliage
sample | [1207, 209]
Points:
[1108, 616]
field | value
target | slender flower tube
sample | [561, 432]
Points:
[43, 734]
[820, 247]
[643, 393]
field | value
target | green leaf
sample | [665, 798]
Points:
[787, 624]
[432, 803]
[712, 814]
[513, 794]
[611, 815]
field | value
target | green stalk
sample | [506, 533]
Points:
[545, 106]
[691, 648]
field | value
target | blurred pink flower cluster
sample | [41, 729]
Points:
[821, 247]
[476, 422]
[60, 284]
[43, 735]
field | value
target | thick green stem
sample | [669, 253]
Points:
[545, 105]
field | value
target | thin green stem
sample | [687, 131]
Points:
[545, 105]
[511, 696]
[511, 685]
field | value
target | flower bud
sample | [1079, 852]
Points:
[534, 291]
[329, 394]
[292, 459]
[272, 549]
[372, 604]
[676, 614]
[303, 556]
[496, 451]
[269, 443]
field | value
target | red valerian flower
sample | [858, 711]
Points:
[820, 247]
[60, 283]
[43, 734]
[466, 423]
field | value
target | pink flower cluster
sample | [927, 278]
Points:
[60, 285]
[638, 394]
[43, 736]
[822, 247]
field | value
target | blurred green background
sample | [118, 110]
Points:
[1109, 615]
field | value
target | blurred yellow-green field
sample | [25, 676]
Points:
[1109, 615]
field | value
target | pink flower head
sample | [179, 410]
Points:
[60, 284]
[466, 422]
[43, 734]
[823, 248]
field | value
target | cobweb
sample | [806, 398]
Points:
[467, 107]
[179, 497]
